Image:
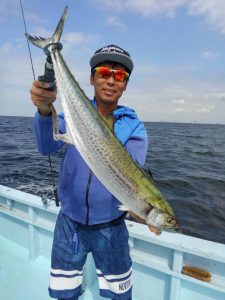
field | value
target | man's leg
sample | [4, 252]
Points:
[110, 250]
[74, 298]
[66, 265]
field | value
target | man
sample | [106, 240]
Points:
[89, 219]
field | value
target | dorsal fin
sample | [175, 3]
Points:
[148, 173]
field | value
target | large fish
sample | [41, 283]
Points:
[89, 132]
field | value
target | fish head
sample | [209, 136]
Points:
[171, 224]
[162, 220]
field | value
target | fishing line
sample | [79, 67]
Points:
[28, 45]
[32, 66]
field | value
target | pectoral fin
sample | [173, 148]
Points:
[123, 208]
[66, 137]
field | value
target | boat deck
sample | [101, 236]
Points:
[20, 277]
[26, 230]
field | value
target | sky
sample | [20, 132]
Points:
[177, 46]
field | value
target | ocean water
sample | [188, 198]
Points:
[187, 162]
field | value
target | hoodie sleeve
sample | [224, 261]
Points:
[137, 144]
[43, 127]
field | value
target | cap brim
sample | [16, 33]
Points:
[114, 57]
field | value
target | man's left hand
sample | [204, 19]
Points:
[140, 220]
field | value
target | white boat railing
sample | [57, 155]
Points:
[157, 260]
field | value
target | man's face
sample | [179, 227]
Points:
[108, 91]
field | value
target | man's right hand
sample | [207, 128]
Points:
[41, 97]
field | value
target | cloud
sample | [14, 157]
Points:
[178, 101]
[6, 46]
[5, 11]
[182, 109]
[180, 98]
[209, 55]
[16, 80]
[155, 7]
[220, 96]
[146, 8]
[213, 11]
[79, 38]
[114, 21]
[35, 18]
[215, 95]
[205, 110]
[196, 108]
[78, 41]
[109, 5]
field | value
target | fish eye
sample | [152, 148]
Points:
[170, 220]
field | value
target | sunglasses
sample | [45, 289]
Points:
[106, 73]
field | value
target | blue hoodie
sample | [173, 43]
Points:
[83, 197]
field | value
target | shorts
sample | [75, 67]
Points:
[110, 250]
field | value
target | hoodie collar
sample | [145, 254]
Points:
[120, 111]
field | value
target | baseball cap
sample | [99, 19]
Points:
[112, 53]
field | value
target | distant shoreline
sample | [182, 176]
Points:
[165, 122]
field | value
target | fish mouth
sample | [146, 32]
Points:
[178, 227]
[174, 229]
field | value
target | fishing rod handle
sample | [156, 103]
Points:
[49, 75]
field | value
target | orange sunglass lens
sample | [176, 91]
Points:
[120, 75]
[103, 72]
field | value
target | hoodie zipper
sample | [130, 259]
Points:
[87, 196]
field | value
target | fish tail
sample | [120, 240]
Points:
[44, 43]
